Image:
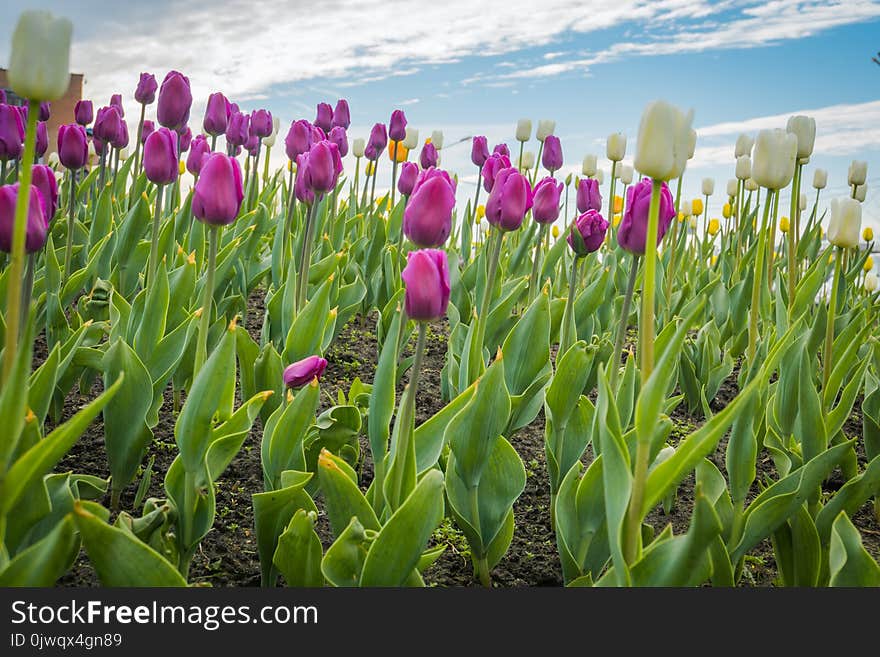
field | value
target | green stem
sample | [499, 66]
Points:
[646, 330]
[394, 180]
[19, 234]
[266, 165]
[302, 278]
[624, 317]
[520, 162]
[756, 283]
[494, 256]
[829, 325]
[366, 183]
[138, 149]
[481, 563]
[537, 163]
[207, 298]
[566, 339]
[793, 236]
[27, 291]
[536, 262]
[154, 237]
[373, 185]
[71, 223]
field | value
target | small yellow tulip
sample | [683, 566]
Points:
[615, 220]
[783, 225]
[713, 260]
[371, 167]
[697, 206]
[181, 167]
[868, 234]
[402, 151]
[869, 264]
[618, 203]
[481, 212]
[680, 217]
[714, 226]
[554, 231]
[726, 211]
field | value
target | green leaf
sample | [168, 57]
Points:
[45, 561]
[344, 499]
[344, 561]
[849, 562]
[299, 552]
[282, 445]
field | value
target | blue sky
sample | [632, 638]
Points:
[475, 68]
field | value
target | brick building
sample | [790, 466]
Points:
[62, 109]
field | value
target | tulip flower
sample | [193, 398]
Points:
[633, 227]
[713, 227]
[845, 224]
[145, 92]
[43, 179]
[744, 145]
[412, 138]
[527, 161]
[83, 112]
[341, 115]
[120, 139]
[783, 225]
[868, 234]
[175, 101]
[337, 136]
[397, 126]
[323, 167]
[11, 133]
[378, 138]
[116, 101]
[304, 371]
[491, 167]
[626, 174]
[357, 147]
[820, 179]
[501, 149]
[588, 196]
[261, 123]
[871, 282]
[428, 156]
[184, 139]
[36, 228]
[708, 186]
[426, 277]
[299, 139]
[409, 173]
[324, 117]
[509, 200]
[198, 153]
[148, 129]
[750, 185]
[869, 264]
[216, 115]
[73, 147]
[732, 187]
[804, 128]
[665, 141]
[615, 147]
[587, 233]
[861, 192]
[775, 157]
[858, 173]
[545, 129]
[238, 129]
[588, 168]
[108, 124]
[545, 207]
[160, 157]
[552, 159]
[39, 62]
[427, 219]
[726, 211]
[555, 232]
[479, 151]
[523, 130]
[437, 139]
[697, 207]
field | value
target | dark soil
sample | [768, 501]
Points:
[228, 555]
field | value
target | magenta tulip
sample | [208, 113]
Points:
[552, 157]
[494, 163]
[252, 145]
[120, 140]
[479, 151]
[337, 136]
[108, 124]
[261, 123]
[302, 187]
[587, 233]
[46, 111]
[304, 371]
[73, 146]
[36, 228]
[324, 166]
[237, 130]
[199, 151]
[426, 277]
[175, 100]
[341, 115]
[42, 141]
[116, 101]
[633, 230]
[147, 130]
[509, 200]
[43, 178]
[84, 112]
[218, 193]
[299, 139]
[409, 173]
[216, 114]
[545, 208]
[501, 149]
[185, 138]
[11, 133]
[160, 157]
[588, 196]
[427, 220]
[145, 93]
[378, 139]
[324, 117]
[397, 126]
[428, 156]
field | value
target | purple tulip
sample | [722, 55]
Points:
[341, 115]
[318, 134]
[99, 145]
[337, 136]
[588, 196]
[237, 129]
[185, 139]
[324, 117]
[545, 208]
[42, 142]
[120, 140]
[252, 145]
[587, 233]
[428, 156]
[199, 150]
[216, 114]
[43, 178]
[116, 101]
[84, 112]
[261, 123]
[552, 158]
[302, 187]
[378, 140]
[298, 139]
[397, 126]
[45, 111]
[426, 277]
[11, 133]
[175, 100]
[73, 146]
[108, 124]
[218, 193]
[36, 229]
[479, 151]
[371, 153]
[160, 156]
[509, 200]
[502, 149]
[304, 371]
[494, 163]
[145, 93]
[147, 130]
[324, 166]
[427, 220]
[409, 173]
[633, 230]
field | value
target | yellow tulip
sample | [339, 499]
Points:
[555, 230]
[869, 264]
[181, 167]
[697, 206]
[402, 151]
[481, 212]
[290, 165]
[371, 167]
[868, 234]
[726, 211]
[714, 226]
[680, 217]
[616, 220]
[618, 203]
[783, 225]
[713, 260]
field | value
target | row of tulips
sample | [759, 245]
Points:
[143, 287]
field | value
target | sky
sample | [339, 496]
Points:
[474, 68]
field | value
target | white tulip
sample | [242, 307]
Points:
[53, 160]
[39, 64]
[751, 185]
[861, 192]
[820, 178]
[626, 174]
[775, 156]
[732, 187]
[663, 455]
[744, 145]
[523, 129]
[615, 146]
[437, 139]
[804, 128]
[664, 142]
[692, 223]
[871, 283]
[270, 140]
[357, 147]
[858, 172]
[692, 144]
[600, 176]
[411, 140]
[802, 202]
[545, 129]
[685, 208]
[846, 223]
[92, 151]
[708, 186]
[528, 160]
[123, 154]
[276, 124]
[588, 168]
[743, 167]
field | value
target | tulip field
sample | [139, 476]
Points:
[219, 372]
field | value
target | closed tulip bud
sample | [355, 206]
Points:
[861, 192]
[501, 149]
[324, 116]
[337, 136]
[216, 114]
[726, 211]
[600, 176]
[341, 115]
[552, 157]
[427, 220]
[93, 150]
[303, 372]
[544, 130]
[115, 101]
[775, 157]
[588, 195]
[148, 129]
[523, 130]
[43, 178]
[732, 187]
[713, 227]
[39, 62]
[509, 200]
[269, 141]
[36, 228]
[199, 151]
[238, 129]
[299, 139]
[846, 223]
[73, 146]
[743, 167]
[804, 128]
[615, 146]
[587, 233]
[145, 93]
[409, 173]
[545, 207]
[218, 193]
[527, 161]
[751, 185]
[437, 139]
[870, 283]
[664, 142]
[160, 157]
[261, 123]
[617, 203]
[783, 225]
[868, 234]
[428, 156]
[869, 264]
[634, 227]
[378, 140]
[820, 179]
[302, 187]
[588, 168]
[708, 186]
[54, 161]
[802, 202]
[555, 232]
[175, 100]
[692, 223]
[858, 172]
[481, 211]
[685, 209]
[426, 279]
[411, 140]
[120, 140]
[324, 166]
[108, 124]
[626, 174]
[490, 170]
[357, 147]
[744, 145]
[697, 207]
[46, 108]
[83, 112]
[42, 140]
[479, 150]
